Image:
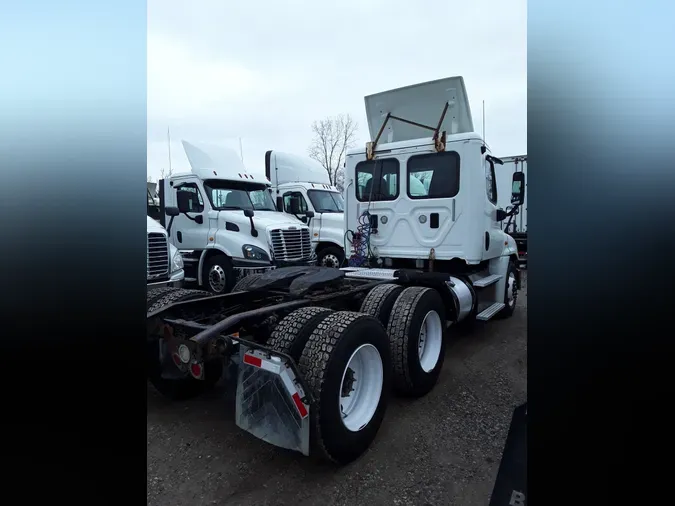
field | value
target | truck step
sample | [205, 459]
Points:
[365, 273]
[490, 311]
[487, 281]
[190, 280]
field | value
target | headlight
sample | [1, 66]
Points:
[177, 261]
[254, 253]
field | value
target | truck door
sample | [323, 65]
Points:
[494, 242]
[190, 229]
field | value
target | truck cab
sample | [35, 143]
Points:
[423, 194]
[153, 202]
[165, 263]
[301, 185]
[228, 225]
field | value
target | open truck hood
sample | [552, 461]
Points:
[217, 162]
[283, 168]
[422, 103]
[265, 219]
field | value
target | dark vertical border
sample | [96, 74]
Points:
[601, 132]
[73, 167]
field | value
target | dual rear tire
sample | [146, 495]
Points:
[350, 362]
[344, 359]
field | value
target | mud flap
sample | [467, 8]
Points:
[270, 403]
[511, 485]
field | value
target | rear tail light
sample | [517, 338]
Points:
[197, 370]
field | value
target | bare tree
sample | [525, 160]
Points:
[150, 179]
[163, 173]
[332, 137]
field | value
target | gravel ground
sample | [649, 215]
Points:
[442, 449]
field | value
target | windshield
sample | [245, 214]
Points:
[326, 201]
[230, 195]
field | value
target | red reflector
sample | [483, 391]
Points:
[298, 404]
[176, 359]
[251, 360]
[196, 370]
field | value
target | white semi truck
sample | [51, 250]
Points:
[516, 224]
[228, 226]
[165, 263]
[301, 185]
[319, 349]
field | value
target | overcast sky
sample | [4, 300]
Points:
[263, 71]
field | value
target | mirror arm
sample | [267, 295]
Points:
[168, 227]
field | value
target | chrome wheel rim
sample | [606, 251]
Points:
[330, 260]
[217, 279]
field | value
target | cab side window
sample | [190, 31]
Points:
[189, 193]
[290, 200]
[490, 182]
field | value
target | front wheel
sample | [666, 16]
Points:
[218, 275]
[510, 291]
[331, 256]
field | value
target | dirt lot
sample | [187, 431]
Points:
[442, 449]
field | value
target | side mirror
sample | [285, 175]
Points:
[172, 211]
[501, 215]
[249, 213]
[518, 189]
[309, 214]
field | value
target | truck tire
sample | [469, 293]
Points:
[180, 388]
[174, 295]
[217, 274]
[154, 294]
[347, 367]
[510, 292]
[292, 333]
[380, 301]
[330, 256]
[416, 335]
[243, 284]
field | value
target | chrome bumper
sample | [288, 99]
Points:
[176, 281]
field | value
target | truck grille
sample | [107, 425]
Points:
[158, 256]
[291, 245]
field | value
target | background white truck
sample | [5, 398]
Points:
[165, 263]
[516, 225]
[228, 225]
[302, 185]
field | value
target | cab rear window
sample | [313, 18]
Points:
[377, 180]
[434, 175]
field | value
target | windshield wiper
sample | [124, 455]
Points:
[230, 208]
[328, 211]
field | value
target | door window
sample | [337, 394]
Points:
[189, 192]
